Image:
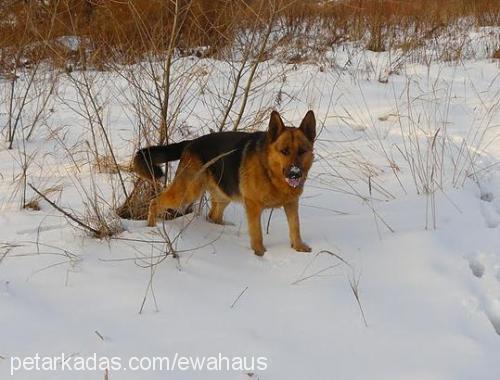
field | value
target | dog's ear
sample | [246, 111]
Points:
[276, 126]
[308, 126]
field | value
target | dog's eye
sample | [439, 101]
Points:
[285, 151]
[301, 151]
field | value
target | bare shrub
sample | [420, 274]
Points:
[117, 31]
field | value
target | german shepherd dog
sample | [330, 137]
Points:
[260, 169]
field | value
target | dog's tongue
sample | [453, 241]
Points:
[293, 182]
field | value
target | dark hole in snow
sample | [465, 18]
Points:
[487, 197]
[477, 268]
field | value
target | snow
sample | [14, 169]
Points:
[429, 290]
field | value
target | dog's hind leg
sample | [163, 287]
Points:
[189, 184]
[216, 214]
[218, 203]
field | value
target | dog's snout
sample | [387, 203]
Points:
[294, 172]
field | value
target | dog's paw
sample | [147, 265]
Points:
[259, 250]
[215, 221]
[301, 247]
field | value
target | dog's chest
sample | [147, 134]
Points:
[258, 185]
[278, 199]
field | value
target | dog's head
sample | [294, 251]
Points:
[290, 153]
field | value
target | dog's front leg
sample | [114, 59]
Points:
[292, 215]
[254, 212]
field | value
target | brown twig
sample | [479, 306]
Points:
[65, 213]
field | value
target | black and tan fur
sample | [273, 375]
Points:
[252, 168]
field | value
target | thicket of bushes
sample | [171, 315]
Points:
[123, 31]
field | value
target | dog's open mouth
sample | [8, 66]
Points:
[294, 176]
[293, 182]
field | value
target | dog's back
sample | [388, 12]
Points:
[222, 152]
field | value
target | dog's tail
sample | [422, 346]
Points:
[146, 160]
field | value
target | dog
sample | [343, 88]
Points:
[260, 169]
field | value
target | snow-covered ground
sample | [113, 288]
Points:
[402, 210]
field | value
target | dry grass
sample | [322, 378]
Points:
[137, 203]
[106, 164]
[119, 31]
[34, 202]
